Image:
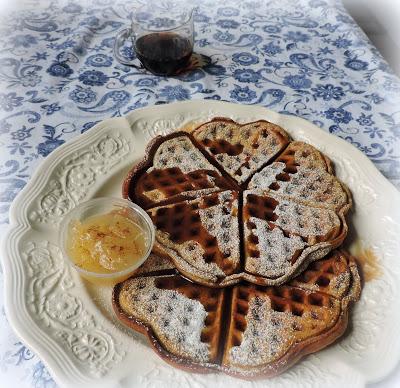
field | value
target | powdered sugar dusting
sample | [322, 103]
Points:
[154, 263]
[267, 337]
[316, 186]
[275, 250]
[339, 284]
[260, 140]
[176, 319]
[269, 333]
[307, 156]
[264, 178]
[193, 272]
[221, 222]
[304, 220]
[157, 195]
[233, 163]
[190, 251]
[201, 192]
[180, 152]
[333, 276]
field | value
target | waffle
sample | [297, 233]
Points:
[247, 331]
[173, 169]
[155, 264]
[282, 236]
[302, 173]
[201, 236]
[286, 207]
[241, 149]
[184, 318]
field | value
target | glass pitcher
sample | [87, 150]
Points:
[162, 36]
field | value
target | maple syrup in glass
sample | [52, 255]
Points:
[162, 36]
[163, 53]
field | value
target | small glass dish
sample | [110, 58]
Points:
[96, 208]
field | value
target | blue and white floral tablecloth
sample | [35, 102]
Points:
[58, 78]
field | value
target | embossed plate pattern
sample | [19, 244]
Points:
[69, 322]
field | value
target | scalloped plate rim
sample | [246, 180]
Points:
[19, 222]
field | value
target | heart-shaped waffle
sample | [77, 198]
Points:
[174, 169]
[304, 174]
[280, 234]
[239, 201]
[201, 235]
[248, 331]
[241, 149]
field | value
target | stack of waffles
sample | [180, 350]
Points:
[252, 221]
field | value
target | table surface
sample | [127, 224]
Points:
[58, 77]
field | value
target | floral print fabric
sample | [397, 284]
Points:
[58, 77]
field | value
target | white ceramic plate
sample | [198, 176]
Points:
[69, 323]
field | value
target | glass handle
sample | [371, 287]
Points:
[122, 36]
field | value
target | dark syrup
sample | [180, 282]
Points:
[163, 53]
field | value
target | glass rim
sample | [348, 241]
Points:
[63, 229]
[186, 21]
